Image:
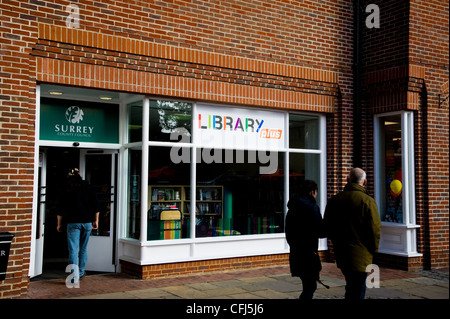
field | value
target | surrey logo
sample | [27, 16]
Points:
[74, 114]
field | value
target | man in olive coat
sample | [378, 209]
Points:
[353, 224]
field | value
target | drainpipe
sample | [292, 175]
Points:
[357, 107]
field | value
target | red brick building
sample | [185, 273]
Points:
[305, 87]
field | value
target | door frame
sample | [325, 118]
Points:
[38, 233]
[93, 263]
[123, 100]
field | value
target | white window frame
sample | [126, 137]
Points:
[398, 238]
[146, 252]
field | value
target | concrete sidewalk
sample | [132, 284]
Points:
[261, 283]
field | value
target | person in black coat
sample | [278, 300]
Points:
[304, 227]
[79, 210]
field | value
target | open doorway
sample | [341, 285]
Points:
[98, 167]
[56, 163]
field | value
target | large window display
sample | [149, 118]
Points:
[234, 198]
[168, 196]
[213, 171]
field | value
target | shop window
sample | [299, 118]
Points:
[394, 151]
[168, 117]
[168, 215]
[238, 159]
[134, 193]
[303, 131]
[303, 167]
[306, 161]
[234, 198]
[135, 121]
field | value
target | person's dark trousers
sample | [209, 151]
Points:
[309, 284]
[355, 287]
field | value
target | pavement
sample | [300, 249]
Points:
[257, 292]
[259, 283]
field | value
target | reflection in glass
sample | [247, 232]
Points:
[135, 122]
[234, 198]
[134, 195]
[98, 171]
[168, 117]
[303, 167]
[303, 131]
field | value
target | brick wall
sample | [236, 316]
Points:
[406, 68]
[429, 35]
[17, 105]
[204, 266]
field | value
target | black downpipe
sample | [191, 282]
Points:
[357, 112]
[425, 189]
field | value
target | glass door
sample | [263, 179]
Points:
[98, 167]
[40, 220]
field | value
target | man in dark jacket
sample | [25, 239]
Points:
[353, 224]
[304, 227]
[79, 209]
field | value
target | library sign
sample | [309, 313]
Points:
[78, 121]
[239, 128]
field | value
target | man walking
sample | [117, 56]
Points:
[353, 224]
[79, 209]
[304, 227]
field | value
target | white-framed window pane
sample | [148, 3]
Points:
[135, 121]
[394, 163]
[133, 229]
[168, 117]
[303, 131]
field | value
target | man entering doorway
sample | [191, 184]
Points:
[79, 210]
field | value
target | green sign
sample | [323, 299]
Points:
[79, 121]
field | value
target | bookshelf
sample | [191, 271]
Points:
[163, 197]
[209, 200]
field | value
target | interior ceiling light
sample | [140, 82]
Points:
[55, 93]
[105, 98]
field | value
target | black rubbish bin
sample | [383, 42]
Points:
[5, 244]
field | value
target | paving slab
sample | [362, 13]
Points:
[332, 293]
[430, 292]
[114, 295]
[331, 281]
[186, 292]
[270, 294]
[246, 295]
[151, 293]
[222, 292]
[385, 293]
[280, 286]
[264, 283]
[202, 286]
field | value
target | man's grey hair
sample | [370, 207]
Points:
[357, 175]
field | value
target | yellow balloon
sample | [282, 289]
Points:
[396, 187]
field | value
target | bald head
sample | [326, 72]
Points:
[357, 176]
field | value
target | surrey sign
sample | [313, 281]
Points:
[78, 121]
